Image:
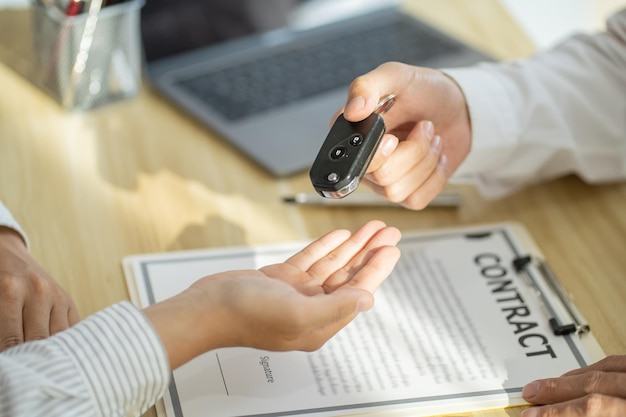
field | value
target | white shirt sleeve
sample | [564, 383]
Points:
[560, 112]
[110, 364]
[7, 220]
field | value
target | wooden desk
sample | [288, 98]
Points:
[138, 177]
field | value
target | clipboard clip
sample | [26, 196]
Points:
[561, 327]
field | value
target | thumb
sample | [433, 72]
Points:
[366, 91]
[340, 307]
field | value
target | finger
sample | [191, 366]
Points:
[59, 319]
[589, 406]
[554, 390]
[326, 266]
[369, 267]
[11, 328]
[318, 249]
[409, 186]
[63, 314]
[613, 363]
[378, 267]
[435, 183]
[37, 308]
[408, 156]
[409, 168]
[388, 145]
[366, 91]
[36, 318]
[72, 315]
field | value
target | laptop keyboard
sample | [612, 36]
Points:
[314, 68]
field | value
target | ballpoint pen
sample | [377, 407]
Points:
[444, 199]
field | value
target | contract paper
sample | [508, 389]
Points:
[453, 329]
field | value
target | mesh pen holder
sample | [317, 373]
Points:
[91, 59]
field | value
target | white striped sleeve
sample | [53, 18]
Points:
[110, 364]
[7, 220]
[560, 112]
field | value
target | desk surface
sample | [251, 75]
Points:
[139, 177]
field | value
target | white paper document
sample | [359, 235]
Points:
[453, 329]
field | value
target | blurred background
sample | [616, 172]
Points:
[536, 17]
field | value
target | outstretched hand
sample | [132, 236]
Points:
[33, 305]
[428, 131]
[593, 391]
[295, 305]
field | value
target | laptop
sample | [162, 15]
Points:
[268, 75]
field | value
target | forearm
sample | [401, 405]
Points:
[110, 364]
[182, 325]
[563, 111]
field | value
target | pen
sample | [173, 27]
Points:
[444, 199]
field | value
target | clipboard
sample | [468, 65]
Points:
[468, 316]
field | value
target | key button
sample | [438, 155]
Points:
[338, 152]
[356, 140]
[332, 177]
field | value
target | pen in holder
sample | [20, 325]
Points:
[88, 55]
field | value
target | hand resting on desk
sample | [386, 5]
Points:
[32, 304]
[595, 390]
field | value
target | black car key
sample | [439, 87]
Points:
[347, 152]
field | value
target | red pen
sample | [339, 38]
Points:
[75, 7]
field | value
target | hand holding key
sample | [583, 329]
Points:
[347, 151]
[428, 131]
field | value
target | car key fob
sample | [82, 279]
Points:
[347, 152]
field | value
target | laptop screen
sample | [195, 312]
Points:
[170, 28]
